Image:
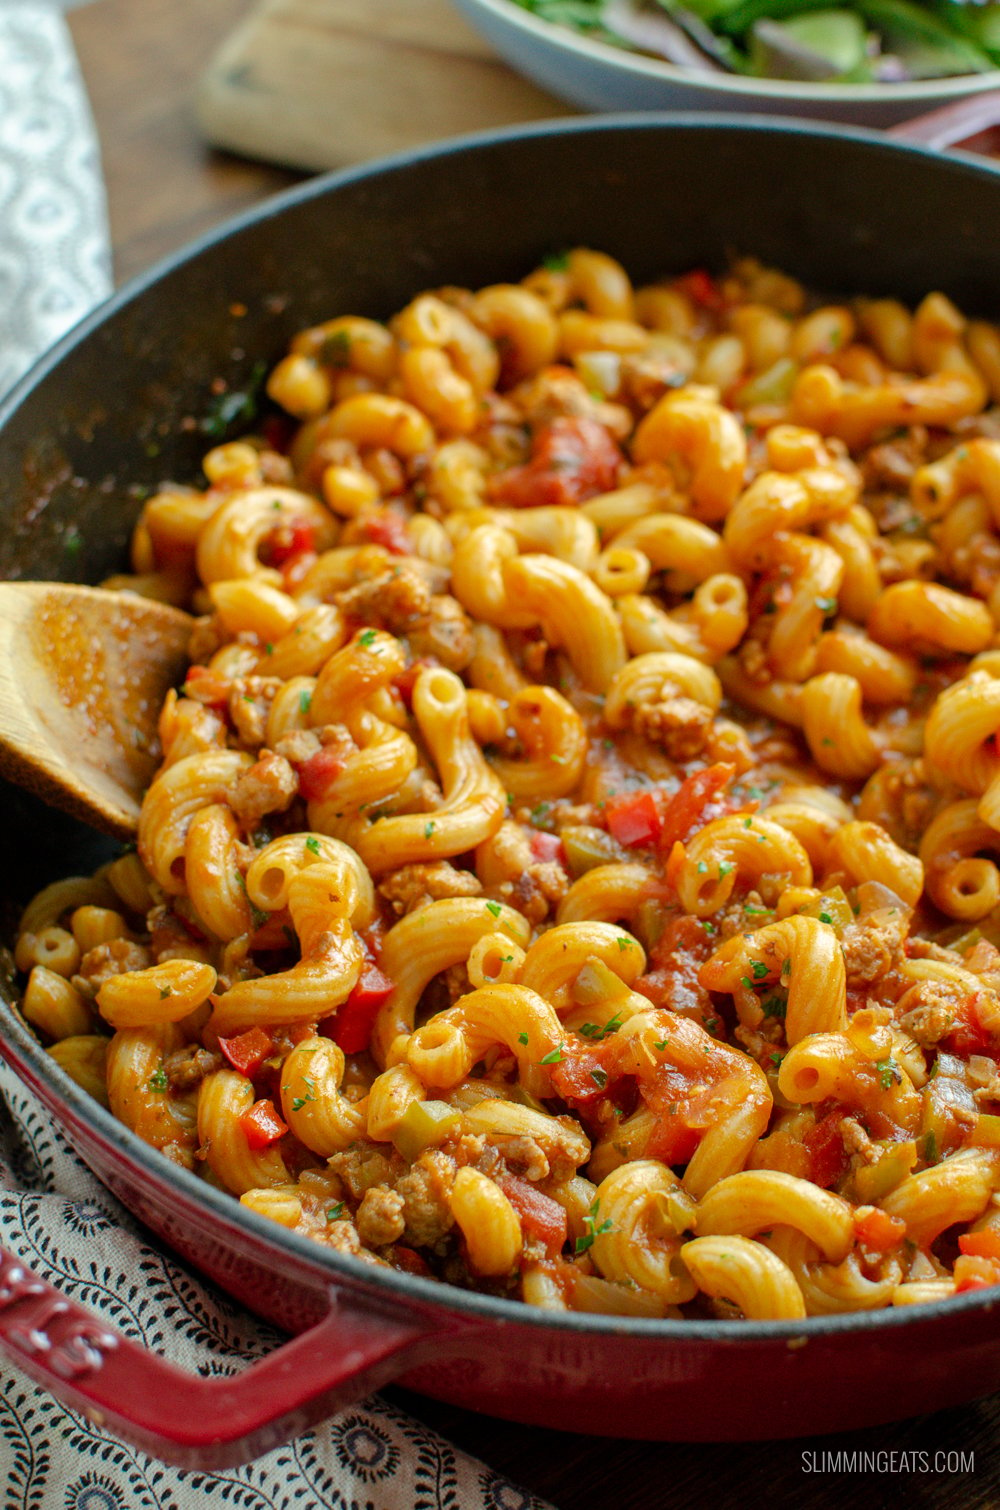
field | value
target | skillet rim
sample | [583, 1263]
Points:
[431, 1295]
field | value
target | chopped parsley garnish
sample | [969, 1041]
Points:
[599, 1078]
[366, 637]
[522, 1038]
[429, 827]
[774, 1006]
[759, 969]
[159, 1081]
[556, 262]
[887, 1073]
[224, 409]
[660, 1045]
[495, 908]
[305, 701]
[553, 1056]
[593, 1228]
[591, 1030]
[334, 1213]
[300, 1101]
[623, 944]
[726, 868]
[826, 605]
[312, 844]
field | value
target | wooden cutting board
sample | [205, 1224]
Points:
[319, 84]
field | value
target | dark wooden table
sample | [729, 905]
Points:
[140, 60]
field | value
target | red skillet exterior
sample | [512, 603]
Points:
[844, 211]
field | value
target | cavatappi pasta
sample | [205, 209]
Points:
[574, 869]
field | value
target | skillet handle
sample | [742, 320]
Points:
[188, 1419]
[972, 124]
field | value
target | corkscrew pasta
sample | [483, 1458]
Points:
[574, 867]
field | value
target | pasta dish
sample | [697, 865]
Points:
[573, 868]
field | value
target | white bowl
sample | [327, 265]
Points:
[599, 77]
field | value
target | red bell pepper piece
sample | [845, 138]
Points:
[262, 1125]
[318, 774]
[633, 819]
[879, 1231]
[691, 798]
[974, 1273]
[293, 539]
[701, 288]
[388, 530]
[351, 1025]
[982, 1244]
[546, 847]
[247, 1051]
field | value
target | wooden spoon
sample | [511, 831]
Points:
[83, 672]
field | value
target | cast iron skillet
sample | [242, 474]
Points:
[118, 407]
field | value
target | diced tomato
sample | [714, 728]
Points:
[262, 1125]
[409, 1261]
[974, 1273]
[828, 1159]
[351, 1025]
[290, 540]
[982, 1244]
[541, 1216]
[633, 819]
[878, 1230]
[671, 978]
[318, 774]
[685, 809]
[207, 686]
[582, 1074]
[701, 288]
[673, 1141]
[573, 458]
[546, 847]
[968, 1035]
[388, 530]
[247, 1051]
[684, 1105]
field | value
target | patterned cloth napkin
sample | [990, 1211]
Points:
[61, 1222]
[55, 261]
[54, 1215]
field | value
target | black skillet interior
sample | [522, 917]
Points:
[127, 401]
